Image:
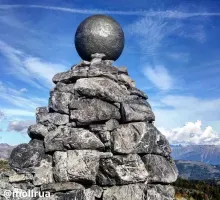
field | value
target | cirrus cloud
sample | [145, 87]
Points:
[159, 76]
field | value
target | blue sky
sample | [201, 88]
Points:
[171, 51]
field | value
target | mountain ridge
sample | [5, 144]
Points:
[194, 170]
[209, 154]
[5, 150]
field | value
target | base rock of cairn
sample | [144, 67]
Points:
[95, 140]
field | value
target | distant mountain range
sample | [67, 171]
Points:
[193, 170]
[209, 154]
[5, 151]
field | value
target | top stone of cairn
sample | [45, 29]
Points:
[99, 34]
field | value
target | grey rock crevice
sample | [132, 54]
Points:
[95, 140]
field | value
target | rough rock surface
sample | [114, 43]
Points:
[61, 187]
[121, 170]
[26, 156]
[59, 102]
[77, 165]
[87, 111]
[103, 70]
[71, 75]
[43, 173]
[64, 138]
[159, 192]
[53, 118]
[136, 110]
[160, 169]
[139, 137]
[102, 88]
[16, 178]
[126, 192]
[96, 140]
[37, 131]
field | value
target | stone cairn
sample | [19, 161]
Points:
[95, 140]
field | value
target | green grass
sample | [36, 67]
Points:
[4, 165]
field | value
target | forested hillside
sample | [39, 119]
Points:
[196, 190]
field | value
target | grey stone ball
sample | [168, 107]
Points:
[99, 34]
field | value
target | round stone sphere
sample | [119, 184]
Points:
[99, 34]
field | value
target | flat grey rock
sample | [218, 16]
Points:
[109, 125]
[94, 191]
[86, 111]
[37, 131]
[126, 80]
[103, 69]
[61, 187]
[64, 77]
[43, 173]
[59, 102]
[71, 195]
[71, 124]
[53, 118]
[137, 92]
[121, 170]
[41, 110]
[160, 192]
[122, 70]
[139, 137]
[64, 138]
[72, 75]
[62, 87]
[60, 166]
[105, 136]
[77, 165]
[17, 178]
[77, 194]
[108, 62]
[136, 110]
[161, 170]
[26, 156]
[126, 192]
[102, 88]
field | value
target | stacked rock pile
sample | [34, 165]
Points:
[95, 140]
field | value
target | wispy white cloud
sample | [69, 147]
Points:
[179, 56]
[15, 58]
[192, 133]
[159, 76]
[195, 32]
[151, 32]
[28, 68]
[10, 20]
[23, 90]
[192, 103]
[166, 14]
[175, 110]
[8, 90]
[154, 33]
[17, 100]
[43, 70]
[11, 112]
[19, 126]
